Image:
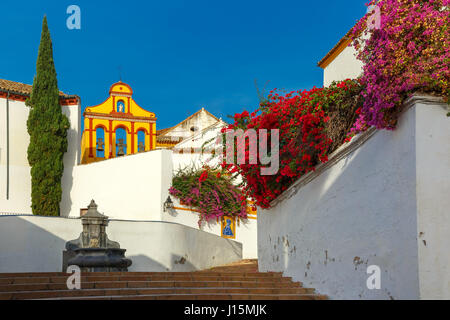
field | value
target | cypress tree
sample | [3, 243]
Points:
[47, 127]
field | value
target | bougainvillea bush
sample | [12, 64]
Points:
[311, 125]
[209, 191]
[408, 53]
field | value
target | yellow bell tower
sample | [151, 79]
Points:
[117, 127]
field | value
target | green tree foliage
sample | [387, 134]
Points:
[47, 127]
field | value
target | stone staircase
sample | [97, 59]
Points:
[239, 281]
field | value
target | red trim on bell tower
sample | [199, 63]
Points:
[110, 139]
[91, 154]
[132, 138]
[151, 136]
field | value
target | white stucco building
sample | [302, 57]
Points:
[189, 127]
[15, 178]
[340, 62]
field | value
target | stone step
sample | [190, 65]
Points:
[148, 291]
[147, 284]
[238, 281]
[249, 265]
[221, 297]
[241, 270]
[204, 273]
[161, 277]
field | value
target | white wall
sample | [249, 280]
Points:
[35, 244]
[368, 208]
[246, 231]
[197, 141]
[433, 201]
[344, 66]
[73, 154]
[132, 187]
[200, 121]
[19, 171]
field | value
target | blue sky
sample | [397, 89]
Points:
[178, 56]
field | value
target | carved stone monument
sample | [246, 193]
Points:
[93, 251]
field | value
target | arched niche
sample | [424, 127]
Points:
[141, 147]
[121, 142]
[120, 106]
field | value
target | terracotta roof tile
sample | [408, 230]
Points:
[162, 131]
[169, 140]
[20, 88]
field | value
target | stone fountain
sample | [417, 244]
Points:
[93, 251]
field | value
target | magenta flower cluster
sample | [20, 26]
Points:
[408, 53]
[209, 192]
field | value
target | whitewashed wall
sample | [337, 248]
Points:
[133, 187]
[344, 66]
[19, 171]
[198, 121]
[433, 200]
[370, 207]
[197, 141]
[35, 244]
[246, 231]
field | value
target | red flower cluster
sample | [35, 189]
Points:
[203, 176]
[300, 117]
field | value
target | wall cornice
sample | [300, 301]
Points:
[423, 99]
[22, 97]
[118, 117]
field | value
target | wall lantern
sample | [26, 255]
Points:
[168, 204]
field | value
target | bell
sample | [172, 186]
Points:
[121, 152]
[141, 146]
[100, 145]
[121, 148]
